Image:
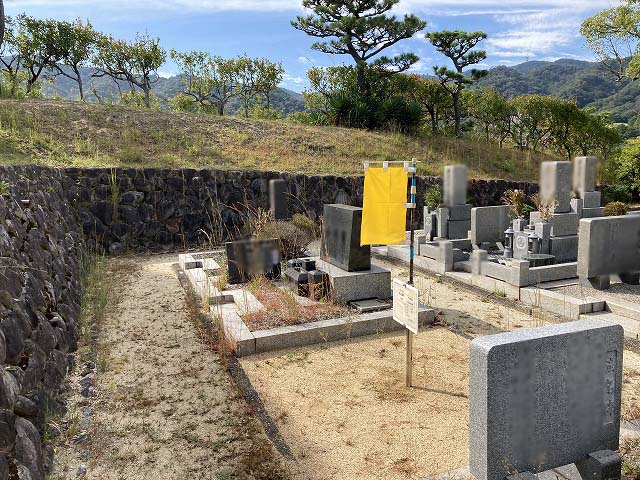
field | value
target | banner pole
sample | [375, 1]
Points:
[409, 358]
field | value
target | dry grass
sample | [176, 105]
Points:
[282, 309]
[68, 133]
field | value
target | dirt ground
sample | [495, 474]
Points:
[164, 406]
[345, 412]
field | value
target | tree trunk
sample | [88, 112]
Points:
[80, 85]
[147, 95]
[1, 22]
[456, 111]
[434, 121]
[362, 78]
[221, 108]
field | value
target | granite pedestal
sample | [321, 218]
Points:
[348, 286]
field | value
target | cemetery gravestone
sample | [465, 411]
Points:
[455, 185]
[278, 199]
[555, 185]
[341, 238]
[249, 258]
[488, 224]
[546, 397]
[609, 245]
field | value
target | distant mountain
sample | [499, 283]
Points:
[586, 82]
[106, 88]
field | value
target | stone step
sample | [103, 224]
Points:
[631, 326]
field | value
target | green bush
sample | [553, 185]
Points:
[293, 239]
[617, 193]
[614, 209]
[628, 165]
[261, 112]
[433, 197]
[349, 110]
[182, 103]
[398, 114]
[305, 118]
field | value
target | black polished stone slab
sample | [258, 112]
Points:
[341, 238]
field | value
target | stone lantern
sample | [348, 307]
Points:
[508, 242]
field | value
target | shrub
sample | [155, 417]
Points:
[306, 224]
[628, 165]
[349, 110]
[260, 112]
[516, 200]
[433, 197]
[397, 114]
[614, 209]
[293, 239]
[182, 103]
[617, 193]
[305, 118]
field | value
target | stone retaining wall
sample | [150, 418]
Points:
[40, 252]
[154, 209]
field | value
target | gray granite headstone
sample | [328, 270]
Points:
[584, 174]
[543, 398]
[608, 245]
[278, 199]
[488, 224]
[455, 185]
[555, 184]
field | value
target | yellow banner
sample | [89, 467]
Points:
[384, 215]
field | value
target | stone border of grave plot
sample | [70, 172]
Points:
[247, 342]
[198, 266]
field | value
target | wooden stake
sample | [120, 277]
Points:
[409, 366]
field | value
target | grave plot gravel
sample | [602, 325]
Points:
[345, 413]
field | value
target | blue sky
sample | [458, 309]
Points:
[519, 30]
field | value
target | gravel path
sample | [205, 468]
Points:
[163, 406]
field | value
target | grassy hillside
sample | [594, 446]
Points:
[67, 133]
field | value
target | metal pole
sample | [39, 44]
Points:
[412, 221]
[409, 366]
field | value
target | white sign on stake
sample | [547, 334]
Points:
[405, 305]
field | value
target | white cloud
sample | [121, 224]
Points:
[297, 80]
[305, 60]
[536, 33]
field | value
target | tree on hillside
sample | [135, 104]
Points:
[361, 29]
[614, 36]
[257, 76]
[491, 110]
[36, 41]
[75, 41]
[207, 80]
[10, 60]
[431, 96]
[458, 46]
[135, 63]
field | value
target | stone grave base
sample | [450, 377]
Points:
[230, 305]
